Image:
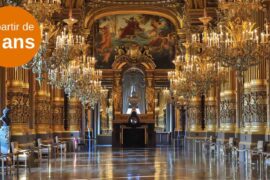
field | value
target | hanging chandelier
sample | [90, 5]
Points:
[180, 87]
[43, 12]
[88, 87]
[201, 70]
[69, 46]
[238, 42]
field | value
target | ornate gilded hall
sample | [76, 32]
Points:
[140, 89]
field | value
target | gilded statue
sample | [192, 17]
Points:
[116, 98]
[150, 93]
[146, 52]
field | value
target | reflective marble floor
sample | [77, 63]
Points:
[155, 163]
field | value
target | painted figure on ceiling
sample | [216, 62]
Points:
[105, 45]
[118, 33]
[131, 28]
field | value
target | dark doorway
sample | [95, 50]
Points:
[133, 138]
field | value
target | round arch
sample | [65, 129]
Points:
[172, 15]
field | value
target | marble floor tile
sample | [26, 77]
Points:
[147, 163]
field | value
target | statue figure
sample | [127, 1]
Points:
[4, 132]
[116, 98]
[150, 98]
[147, 52]
[5, 117]
[119, 51]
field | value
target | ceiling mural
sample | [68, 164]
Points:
[147, 31]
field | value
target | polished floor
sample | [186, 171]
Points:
[148, 163]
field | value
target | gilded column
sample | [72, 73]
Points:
[268, 97]
[43, 108]
[110, 115]
[74, 114]
[150, 94]
[228, 104]
[194, 115]
[117, 94]
[104, 113]
[246, 116]
[3, 87]
[258, 86]
[177, 119]
[17, 100]
[26, 97]
[210, 111]
[58, 110]
[258, 99]
[161, 115]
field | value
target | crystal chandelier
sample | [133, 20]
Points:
[180, 87]
[43, 12]
[238, 42]
[80, 79]
[88, 86]
[201, 70]
[68, 46]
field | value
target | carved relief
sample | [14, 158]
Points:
[19, 105]
[104, 113]
[58, 115]
[150, 95]
[258, 106]
[117, 91]
[246, 113]
[194, 114]
[210, 114]
[227, 111]
[75, 115]
[43, 111]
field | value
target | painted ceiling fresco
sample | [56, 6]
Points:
[155, 32]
